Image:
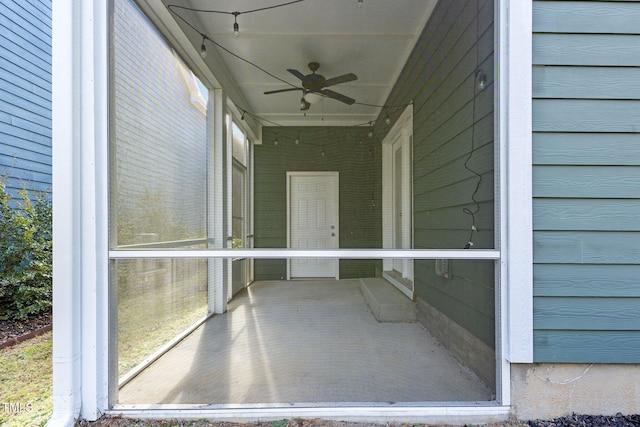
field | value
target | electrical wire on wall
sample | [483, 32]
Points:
[478, 84]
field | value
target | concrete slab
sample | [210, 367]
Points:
[304, 342]
[386, 302]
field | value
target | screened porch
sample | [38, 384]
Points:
[324, 258]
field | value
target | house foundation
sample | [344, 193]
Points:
[551, 390]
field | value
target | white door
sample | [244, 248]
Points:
[313, 221]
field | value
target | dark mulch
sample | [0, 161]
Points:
[576, 420]
[13, 331]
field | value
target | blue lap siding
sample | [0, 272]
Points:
[25, 93]
[586, 181]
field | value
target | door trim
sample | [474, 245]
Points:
[336, 195]
[402, 133]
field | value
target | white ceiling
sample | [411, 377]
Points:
[372, 41]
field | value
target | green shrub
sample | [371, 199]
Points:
[25, 253]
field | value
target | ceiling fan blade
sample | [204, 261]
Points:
[296, 73]
[338, 96]
[340, 79]
[291, 89]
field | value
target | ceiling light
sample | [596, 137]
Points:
[236, 27]
[312, 97]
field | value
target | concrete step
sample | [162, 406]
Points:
[386, 302]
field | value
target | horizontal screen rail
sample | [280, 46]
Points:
[172, 244]
[311, 253]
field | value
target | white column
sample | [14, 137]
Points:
[516, 115]
[216, 199]
[80, 111]
[66, 207]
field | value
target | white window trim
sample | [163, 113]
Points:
[81, 262]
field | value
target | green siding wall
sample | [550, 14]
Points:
[347, 150]
[440, 79]
[586, 181]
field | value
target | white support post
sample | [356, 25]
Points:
[216, 211]
[66, 211]
[516, 127]
[80, 252]
[95, 227]
[211, 198]
[228, 203]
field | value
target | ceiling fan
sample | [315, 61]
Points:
[316, 84]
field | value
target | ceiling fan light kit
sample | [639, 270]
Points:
[314, 86]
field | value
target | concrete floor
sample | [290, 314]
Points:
[302, 342]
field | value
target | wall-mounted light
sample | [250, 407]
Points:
[203, 47]
[370, 134]
[481, 79]
[387, 119]
[275, 142]
[360, 3]
[298, 138]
